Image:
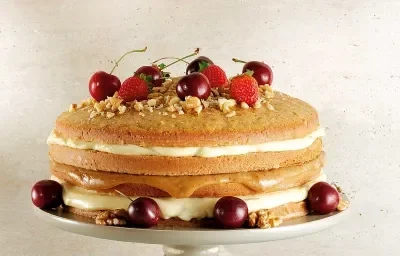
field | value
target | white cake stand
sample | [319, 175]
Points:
[191, 241]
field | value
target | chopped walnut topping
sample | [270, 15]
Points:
[343, 205]
[117, 217]
[263, 219]
[165, 100]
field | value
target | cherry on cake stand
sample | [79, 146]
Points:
[191, 241]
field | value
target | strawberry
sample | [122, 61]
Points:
[134, 88]
[214, 73]
[244, 88]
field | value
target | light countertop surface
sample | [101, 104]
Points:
[343, 57]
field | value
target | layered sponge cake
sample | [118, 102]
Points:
[187, 153]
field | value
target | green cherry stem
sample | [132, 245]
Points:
[122, 194]
[117, 62]
[181, 59]
[240, 61]
[170, 58]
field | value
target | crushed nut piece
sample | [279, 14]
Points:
[142, 114]
[93, 114]
[192, 102]
[228, 105]
[152, 102]
[215, 92]
[165, 113]
[110, 114]
[231, 114]
[206, 104]
[100, 106]
[117, 217]
[138, 106]
[198, 109]
[173, 116]
[171, 109]
[72, 107]
[244, 105]
[174, 101]
[343, 205]
[263, 219]
[257, 104]
[121, 109]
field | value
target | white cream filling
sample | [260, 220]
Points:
[185, 208]
[129, 149]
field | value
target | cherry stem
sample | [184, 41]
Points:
[166, 58]
[181, 59]
[240, 61]
[122, 194]
[117, 62]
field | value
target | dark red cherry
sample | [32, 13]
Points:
[194, 66]
[323, 198]
[144, 212]
[47, 194]
[231, 212]
[154, 72]
[194, 84]
[102, 84]
[261, 72]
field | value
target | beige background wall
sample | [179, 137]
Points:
[341, 56]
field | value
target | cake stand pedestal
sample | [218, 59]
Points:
[191, 241]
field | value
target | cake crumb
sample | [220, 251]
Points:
[173, 116]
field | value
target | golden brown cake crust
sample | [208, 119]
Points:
[286, 212]
[291, 119]
[217, 185]
[160, 165]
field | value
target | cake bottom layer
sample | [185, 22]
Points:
[182, 208]
[285, 212]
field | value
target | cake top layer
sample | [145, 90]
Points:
[165, 120]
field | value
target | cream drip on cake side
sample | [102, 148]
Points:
[185, 208]
[129, 149]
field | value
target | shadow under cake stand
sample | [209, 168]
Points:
[191, 241]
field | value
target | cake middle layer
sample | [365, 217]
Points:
[216, 185]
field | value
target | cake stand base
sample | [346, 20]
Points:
[184, 250]
[191, 241]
